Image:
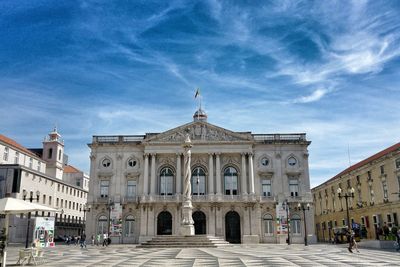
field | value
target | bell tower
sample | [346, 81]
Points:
[53, 153]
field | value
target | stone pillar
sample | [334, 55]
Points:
[153, 175]
[187, 227]
[219, 221]
[178, 174]
[211, 174]
[146, 175]
[251, 174]
[218, 173]
[244, 176]
[211, 221]
[246, 221]
[143, 236]
[151, 221]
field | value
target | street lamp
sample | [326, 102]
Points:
[286, 207]
[304, 208]
[25, 193]
[347, 195]
[86, 208]
[110, 204]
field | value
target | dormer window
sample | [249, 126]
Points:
[292, 161]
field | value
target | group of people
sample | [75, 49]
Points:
[79, 239]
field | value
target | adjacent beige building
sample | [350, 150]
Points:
[376, 184]
[240, 182]
[45, 175]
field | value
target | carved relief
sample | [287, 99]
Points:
[231, 160]
[200, 132]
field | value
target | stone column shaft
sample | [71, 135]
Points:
[153, 175]
[218, 174]
[244, 176]
[146, 175]
[211, 174]
[251, 174]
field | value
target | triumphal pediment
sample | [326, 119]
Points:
[199, 131]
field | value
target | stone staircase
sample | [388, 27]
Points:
[196, 241]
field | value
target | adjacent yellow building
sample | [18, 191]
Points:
[373, 190]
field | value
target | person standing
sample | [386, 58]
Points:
[83, 240]
[350, 238]
[98, 238]
[105, 239]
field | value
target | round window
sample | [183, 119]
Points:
[264, 161]
[106, 163]
[292, 161]
[132, 163]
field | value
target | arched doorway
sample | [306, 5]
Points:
[232, 227]
[199, 219]
[164, 223]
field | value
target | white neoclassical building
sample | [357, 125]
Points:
[244, 186]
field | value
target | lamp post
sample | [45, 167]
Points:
[347, 195]
[304, 207]
[286, 206]
[25, 193]
[110, 204]
[86, 208]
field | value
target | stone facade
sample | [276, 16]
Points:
[41, 171]
[238, 181]
[376, 184]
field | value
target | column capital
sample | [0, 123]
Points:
[218, 154]
[178, 154]
[146, 155]
[250, 154]
[211, 154]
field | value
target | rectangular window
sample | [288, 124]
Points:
[38, 166]
[382, 169]
[16, 159]
[50, 200]
[395, 219]
[57, 202]
[294, 187]
[30, 162]
[131, 188]
[62, 203]
[198, 185]
[44, 199]
[166, 185]
[369, 175]
[231, 185]
[104, 184]
[5, 155]
[266, 187]
[343, 222]
[397, 163]
[78, 182]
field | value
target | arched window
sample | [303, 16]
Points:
[295, 224]
[198, 181]
[268, 224]
[102, 225]
[166, 181]
[231, 181]
[129, 225]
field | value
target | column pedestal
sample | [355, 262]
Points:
[187, 227]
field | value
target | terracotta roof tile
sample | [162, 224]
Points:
[15, 145]
[70, 169]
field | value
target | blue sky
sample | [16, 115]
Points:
[326, 68]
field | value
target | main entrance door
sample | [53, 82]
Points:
[164, 223]
[199, 219]
[232, 227]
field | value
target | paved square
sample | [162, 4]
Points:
[237, 255]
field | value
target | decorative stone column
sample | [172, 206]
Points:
[218, 173]
[153, 175]
[146, 175]
[251, 173]
[178, 174]
[187, 227]
[210, 174]
[244, 178]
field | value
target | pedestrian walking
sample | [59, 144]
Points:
[92, 240]
[105, 239]
[83, 240]
[353, 239]
[350, 240]
[98, 238]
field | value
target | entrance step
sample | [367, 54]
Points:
[171, 241]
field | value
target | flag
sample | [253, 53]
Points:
[197, 93]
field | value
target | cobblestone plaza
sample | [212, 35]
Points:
[235, 255]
